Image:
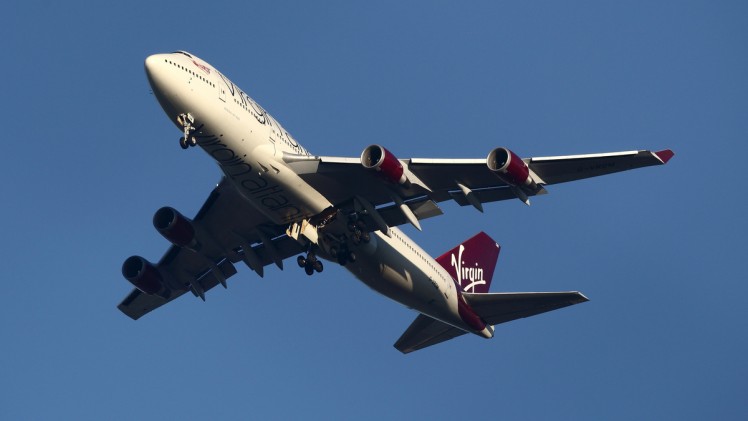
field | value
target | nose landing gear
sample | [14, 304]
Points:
[186, 121]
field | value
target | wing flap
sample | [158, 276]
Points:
[487, 195]
[422, 208]
[137, 303]
[228, 223]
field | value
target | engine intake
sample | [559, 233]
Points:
[378, 158]
[143, 275]
[510, 168]
[176, 228]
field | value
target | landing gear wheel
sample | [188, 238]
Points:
[310, 263]
[342, 256]
[186, 121]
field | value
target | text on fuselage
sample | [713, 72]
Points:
[252, 185]
[263, 117]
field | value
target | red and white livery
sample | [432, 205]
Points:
[277, 201]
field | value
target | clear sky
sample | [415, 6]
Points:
[88, 157]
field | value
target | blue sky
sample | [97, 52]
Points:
[89, 156]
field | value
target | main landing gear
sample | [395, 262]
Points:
[359, 233]
[336, 245]
[310, 263]
[186, 121]
[343, 254]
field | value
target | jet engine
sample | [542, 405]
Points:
[378, 158]
[510, 168]
[143, 275]
[176, 228]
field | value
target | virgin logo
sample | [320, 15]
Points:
[202, 67]
[471, 275]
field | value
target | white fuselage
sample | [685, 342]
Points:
[249, 145]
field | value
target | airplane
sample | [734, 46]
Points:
[276, 200]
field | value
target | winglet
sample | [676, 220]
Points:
[664, 155]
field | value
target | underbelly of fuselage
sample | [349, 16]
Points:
[269, 185]
[403, 279]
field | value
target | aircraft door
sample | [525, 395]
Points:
[272, 142]
[221, 89]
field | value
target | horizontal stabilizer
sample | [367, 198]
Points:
[425, 331]
[495, 308]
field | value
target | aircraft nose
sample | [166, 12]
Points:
[154, 69]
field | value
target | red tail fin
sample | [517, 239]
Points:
[472, 263]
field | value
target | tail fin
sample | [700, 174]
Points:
[472, 263]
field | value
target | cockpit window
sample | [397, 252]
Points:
[182, 52]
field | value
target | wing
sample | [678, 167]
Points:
[560, 169]
[466, 181]
[230, 231]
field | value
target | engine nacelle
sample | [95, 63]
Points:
[143, 275]
[176, 228]
[378, 158]
[510, 168]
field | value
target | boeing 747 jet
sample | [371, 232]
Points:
[276, 201]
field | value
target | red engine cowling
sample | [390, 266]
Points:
[175, 227]
[143, 275]
[377, 158]
[510, 168]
